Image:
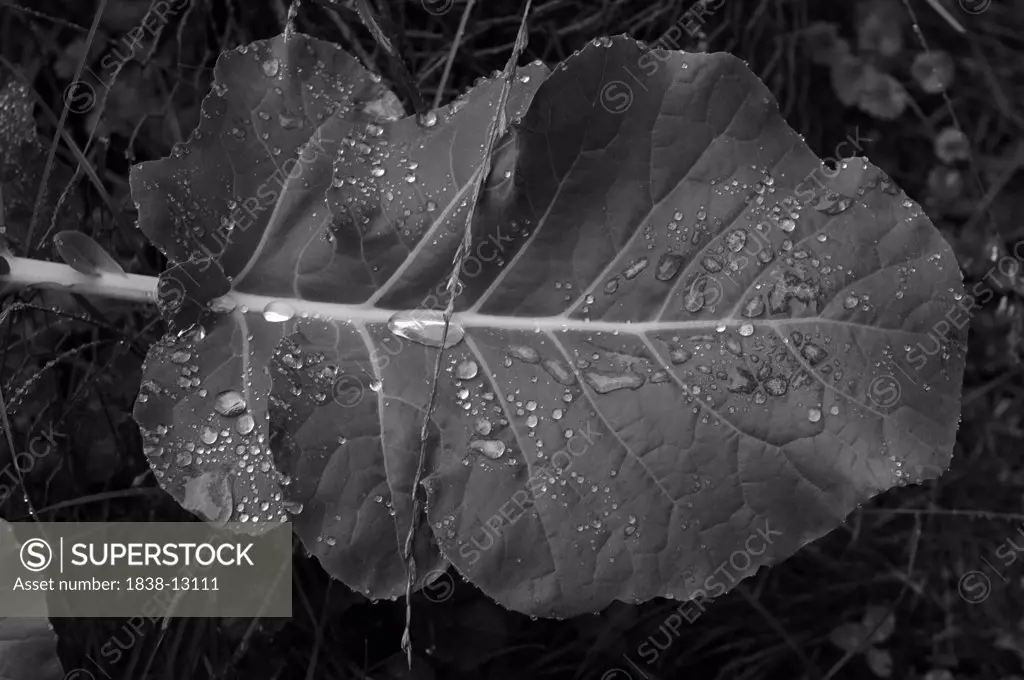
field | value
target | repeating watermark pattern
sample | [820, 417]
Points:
[975, 586]
[975, 6]
[80, 96]
[617, 95]
[884, 391]
[438, 586]
[437, 7]
[510, 512]
[740, 562]
[756, 248]
[349, 389]
[809, 190]
[38, 448]
[963, 311]
[130, 633]
[244, 214]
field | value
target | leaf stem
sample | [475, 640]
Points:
[26, 272]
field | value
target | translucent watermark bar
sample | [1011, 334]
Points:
[154, 569]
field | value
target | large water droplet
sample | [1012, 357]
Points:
[635, 267]
[694, 301]
[523, 353]
[560, 372]
[678, 355]
[492, 448]
[467, 370]
[278, 311]
[813, 353]
[832, 203]
[735, 240]
[668, 267]
[426, 327]
[230, 404]
[208, 435]
[603, 383]
[711, 264]
[289, 122]
[776, 386]
[743, 382]
[733, 345]
[181, 356]
[754, 307]
[271, 67]
[245, 424]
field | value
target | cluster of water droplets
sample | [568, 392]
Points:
[225, 438]
[723, 252]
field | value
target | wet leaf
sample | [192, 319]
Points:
[253, 196]
[85, 255]
[209, 496]
[676, 336]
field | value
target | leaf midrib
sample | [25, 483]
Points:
[363, 314]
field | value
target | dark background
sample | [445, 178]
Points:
[910, 83]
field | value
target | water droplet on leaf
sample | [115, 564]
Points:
[230, 404]
[426, 327]
[467, 370]
[492, 448]
[278, 311]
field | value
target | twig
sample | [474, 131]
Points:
[496, 129]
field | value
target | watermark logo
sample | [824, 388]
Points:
[437, 7]
[974, 587]
[439, 586]
[741, 563]
[884, 391]
[36, 555]
[975, 6]
[80, 97]
[348, 391]
[616, 97]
